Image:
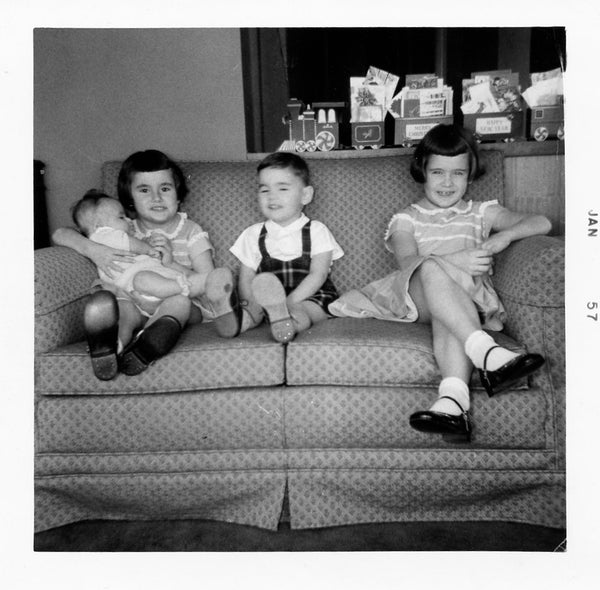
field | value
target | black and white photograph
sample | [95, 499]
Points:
[301, 297]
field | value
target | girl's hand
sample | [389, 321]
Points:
[497, 242]
[474, 261]
[107, 259]
[163, 245]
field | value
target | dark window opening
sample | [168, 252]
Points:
[316, 64]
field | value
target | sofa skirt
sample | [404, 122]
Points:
[320, 498]
[228, 494]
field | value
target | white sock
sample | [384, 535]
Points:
[477, 346]
[456, 389]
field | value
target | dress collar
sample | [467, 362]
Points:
[460, 207]
[170, 235]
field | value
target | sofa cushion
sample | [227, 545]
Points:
[369, 352]
[233, 419]
[200, 360]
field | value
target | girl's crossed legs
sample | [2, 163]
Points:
[458, 344]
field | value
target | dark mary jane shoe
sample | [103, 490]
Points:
[509, 373]
[452, 428]
[101, 325]
[151, 343]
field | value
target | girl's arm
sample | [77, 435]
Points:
[104, 257]
[404, 247]
[510, 226]
[317, 275]
[474, 261]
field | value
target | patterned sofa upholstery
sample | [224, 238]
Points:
[227, 429]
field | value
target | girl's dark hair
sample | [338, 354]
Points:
[148, 161]
[446, 140]
[296, 163]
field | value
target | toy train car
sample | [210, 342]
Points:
[546, 121]
[367, 134]
[308, 133]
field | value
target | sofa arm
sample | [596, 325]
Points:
[532, 272]
[62, 284]
[529, 277]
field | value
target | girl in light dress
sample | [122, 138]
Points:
[121, 337]
[444, 247]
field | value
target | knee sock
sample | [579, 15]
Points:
[456, 389]
[476, 347]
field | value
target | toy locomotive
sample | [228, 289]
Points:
[308, 133]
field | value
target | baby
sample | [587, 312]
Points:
[148, 276]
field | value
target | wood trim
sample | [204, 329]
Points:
[511, 150]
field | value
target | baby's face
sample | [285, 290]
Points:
[111, 214]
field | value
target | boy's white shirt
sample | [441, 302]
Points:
[284, 242]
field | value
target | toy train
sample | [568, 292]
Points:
[307, 133]
[318, 128]
[546, 121]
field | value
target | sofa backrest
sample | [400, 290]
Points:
[354, 196]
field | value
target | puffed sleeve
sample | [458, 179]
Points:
[322, 240]
[488, 210]
[245, 248]
[198, 239]
[399, 222]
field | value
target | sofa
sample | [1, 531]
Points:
[314, 432]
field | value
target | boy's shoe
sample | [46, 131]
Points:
[270, 295]
[223, 296]
[101, 325]
[150, 344]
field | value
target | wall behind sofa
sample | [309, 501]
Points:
[102, 94]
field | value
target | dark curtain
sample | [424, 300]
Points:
[266, 87]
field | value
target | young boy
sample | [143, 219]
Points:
[102, 219]
[285, 260]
